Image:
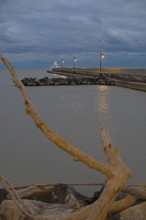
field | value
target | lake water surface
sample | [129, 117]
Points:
[77, 113]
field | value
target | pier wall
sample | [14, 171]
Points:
[94, 71]
[123, 77]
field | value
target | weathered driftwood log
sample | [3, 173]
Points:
[117, 173]
[114, 185]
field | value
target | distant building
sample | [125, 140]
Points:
[55, 64]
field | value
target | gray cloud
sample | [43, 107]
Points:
[41, 30]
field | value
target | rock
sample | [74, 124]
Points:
[64, 194]
[45, 81]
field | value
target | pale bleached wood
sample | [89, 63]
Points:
[115, 182]
[123, 204]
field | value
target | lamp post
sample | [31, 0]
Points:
[101, 58]
[62, 60]
[74, 62]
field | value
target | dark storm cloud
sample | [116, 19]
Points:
[42, 30]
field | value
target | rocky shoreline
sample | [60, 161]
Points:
[45, 81]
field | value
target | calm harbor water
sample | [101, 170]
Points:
[77, 113]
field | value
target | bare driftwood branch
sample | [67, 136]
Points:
[120, 175]
[51, 135]
[122, 204]
[115, 183]
[116, 171]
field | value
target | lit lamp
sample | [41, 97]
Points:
[101, 58]
[74, 62]
[62, 60]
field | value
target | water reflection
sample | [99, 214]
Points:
[77, 113]
[103, 105]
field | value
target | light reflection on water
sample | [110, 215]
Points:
[77, 113]
[103, 108]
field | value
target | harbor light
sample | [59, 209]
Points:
[62, 60]
[101, 58]
[74, 62]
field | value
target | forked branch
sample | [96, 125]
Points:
[117, 172]
[51, 135]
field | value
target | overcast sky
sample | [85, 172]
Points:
[34, 32]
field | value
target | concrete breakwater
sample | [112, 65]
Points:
[45, 81]
[133, 75]
[131, 85]
[140, 78]
[71, 77]
[96, 71]
[128, 78]
[130, 81]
